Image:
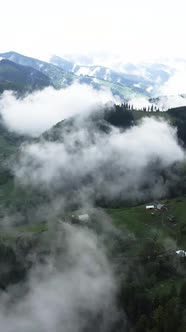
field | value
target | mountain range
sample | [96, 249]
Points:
[25, 73]
[146, 78]
[21, 78]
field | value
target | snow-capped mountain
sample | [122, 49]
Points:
[134, 80]
[64, 73]
[147, 77]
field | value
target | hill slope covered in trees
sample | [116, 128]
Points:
[37, 217]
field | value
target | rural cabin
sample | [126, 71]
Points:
[150, 207]
[181, 253]
[156, 206]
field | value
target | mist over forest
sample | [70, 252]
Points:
[93, 166]
[79, 250]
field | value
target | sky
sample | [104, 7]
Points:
[131, 30]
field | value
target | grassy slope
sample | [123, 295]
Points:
[144, 225]
[138, 221]
[120, 89]
[134, 220]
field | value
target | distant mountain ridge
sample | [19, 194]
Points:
[99, 72]
[145, 77]
[63, 77]
[134, 80]
[21, 78]
[58, 77]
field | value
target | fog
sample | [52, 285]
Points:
[40, 110]
[72, 292]
[110, 165]
[74, 287]
[176, 84]
[171, 101]
[140, 102]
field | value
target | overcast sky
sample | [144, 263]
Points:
[129, 29]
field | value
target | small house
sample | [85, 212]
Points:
[181, 253]
[160, 206]
[150, 207]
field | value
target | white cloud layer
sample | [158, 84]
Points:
[39, 111]
[176, 84]
[114, 164]
[68, 293]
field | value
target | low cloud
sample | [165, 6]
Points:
[140, 103]
[167, 102]
[37, 112]
[115, 164]
[73, 291]
[176, 84]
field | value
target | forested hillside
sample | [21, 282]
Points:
[21, 78]
[43, 198]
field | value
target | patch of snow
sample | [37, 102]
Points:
[74, 68]
[149, 89]
[137, 85]
[95, 80]
[107, 75]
